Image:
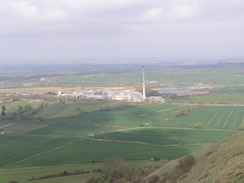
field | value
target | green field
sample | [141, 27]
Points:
[107, 120]
[60, 110]
[221, 98]
[133, 132]
[228, 90]
[167, 136]
[213, 117]
[67, 151]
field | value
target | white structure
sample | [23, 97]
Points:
[126, 95]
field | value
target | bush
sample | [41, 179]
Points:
[93, 180]
[153, 179]
[198, 125]
[186, 163]
[241, 127]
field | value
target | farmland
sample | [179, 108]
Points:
[213, 99]
[133, 132]
[213, 117]
[64, 132]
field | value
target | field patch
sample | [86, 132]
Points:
[222, 98]
[59, 110]
[18, 149]
[22, 151]
[162, 136]
[107, 120]
[212, 117]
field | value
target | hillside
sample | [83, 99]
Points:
[222, 162]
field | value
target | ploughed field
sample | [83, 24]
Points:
[129, 132]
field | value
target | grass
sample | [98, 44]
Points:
[228, 90]
[16, 148]
[67, 140]
[108, 120]
[213, 99]
[59, 110]
[162, 136]
[19, 151]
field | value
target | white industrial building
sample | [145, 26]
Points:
[125, 95]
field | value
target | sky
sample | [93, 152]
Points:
[44, 31]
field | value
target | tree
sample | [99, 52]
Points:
[3, 110]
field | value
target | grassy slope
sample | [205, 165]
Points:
[220, 162]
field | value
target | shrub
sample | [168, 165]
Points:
[93, 180]
[186, 163]
[241, 127]
[198, 125]
[116, 173]
[153, 179]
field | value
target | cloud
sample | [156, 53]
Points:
[152, 26]
[153, 14]
[18, 16]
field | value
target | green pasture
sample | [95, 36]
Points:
[22, 127]
[228, 90]
[14, 105]
[129, 132]
[167, 136]
[32, 151]
[212, 117]
[59, 110]
[18, 149]
[107, 120]
[208, 78]
[221, 98]
[71, 129]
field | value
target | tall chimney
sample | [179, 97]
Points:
[143, 84]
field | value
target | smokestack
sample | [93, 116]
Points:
[143, 84]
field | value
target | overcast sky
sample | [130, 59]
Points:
[55, 30]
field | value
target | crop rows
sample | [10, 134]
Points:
[213, 117]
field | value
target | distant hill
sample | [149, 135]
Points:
[221, 162]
